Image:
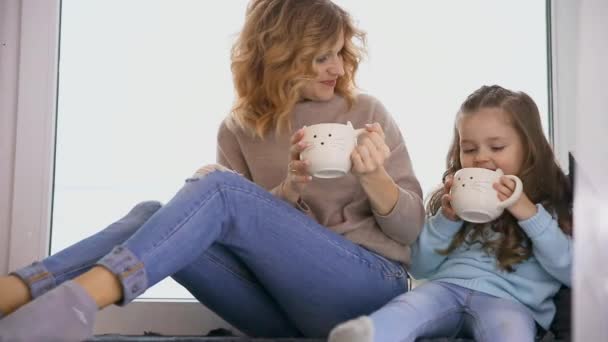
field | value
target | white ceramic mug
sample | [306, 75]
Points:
[330, 147]
[473, 197]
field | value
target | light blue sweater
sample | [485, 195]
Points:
[533, 283]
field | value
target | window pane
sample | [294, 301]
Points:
[143, 86]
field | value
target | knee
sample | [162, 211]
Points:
[136, 217]
[146, 208]
[216, 176]
[512, 328]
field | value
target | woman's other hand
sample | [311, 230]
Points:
[297, 170]
[371, 152]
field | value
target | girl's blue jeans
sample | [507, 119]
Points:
[262, 265]
[439, 309]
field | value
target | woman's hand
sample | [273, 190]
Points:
[446, 200]
[203, 171]
[371, 152]
[368, 159]
[523, 209]
[297, 170]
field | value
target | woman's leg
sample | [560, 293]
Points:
[225, 285]
[32, 281]
[493, 319]
[431, 310]
[317, 277]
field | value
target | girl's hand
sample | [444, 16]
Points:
[371, 152]
[523, 209]
[446, 200]
[297, 170]
[203, 171]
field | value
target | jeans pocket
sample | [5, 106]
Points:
[390, 268]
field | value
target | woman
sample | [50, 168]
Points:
[294, 255]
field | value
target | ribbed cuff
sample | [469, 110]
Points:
[130, 271]
[537, 224]
[37, 278]
[443, 226]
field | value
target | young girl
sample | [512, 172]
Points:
[490, 281]
[271, 250]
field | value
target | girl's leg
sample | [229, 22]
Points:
[493, 319]
[32, 281]
[225, 285]
[431, 310]
[317, 277]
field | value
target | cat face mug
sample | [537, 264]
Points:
[330, 147]
[473, 197]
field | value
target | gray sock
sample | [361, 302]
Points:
[66, 313]
[355, 330]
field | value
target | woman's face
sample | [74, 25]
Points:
[328, 66]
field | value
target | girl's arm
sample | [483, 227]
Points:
[436, 235]
[550, 245]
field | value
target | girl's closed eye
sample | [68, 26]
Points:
[498, 148]
[468, 150]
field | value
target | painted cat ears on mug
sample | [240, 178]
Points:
[348, 123]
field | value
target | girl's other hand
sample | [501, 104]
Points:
[446, 200]
[523, 209]
[297, 170]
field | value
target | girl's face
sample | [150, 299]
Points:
[488, 140]
[328, 66]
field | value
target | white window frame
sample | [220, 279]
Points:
[35, 130]
[33, 177]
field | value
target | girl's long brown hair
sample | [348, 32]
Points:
[272, 58]
[544, 181]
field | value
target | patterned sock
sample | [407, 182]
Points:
[66, 313]
[355, 330]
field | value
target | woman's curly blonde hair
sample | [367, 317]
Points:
[272, 59]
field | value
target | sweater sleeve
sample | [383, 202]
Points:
[550, 245]
[404, 221]
[229, 153]
[437, 233]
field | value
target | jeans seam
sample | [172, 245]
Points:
[218, 262]
[74, 269]
[477, 326]
[179, 224]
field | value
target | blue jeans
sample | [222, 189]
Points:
[439, 309]
[259, 263]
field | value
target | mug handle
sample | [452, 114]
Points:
[359, 131]
[519, 187]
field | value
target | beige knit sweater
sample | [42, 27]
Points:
[338, 204]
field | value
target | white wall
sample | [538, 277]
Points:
[591, 152]
[9, 47]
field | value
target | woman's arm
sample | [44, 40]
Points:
[382, 163]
